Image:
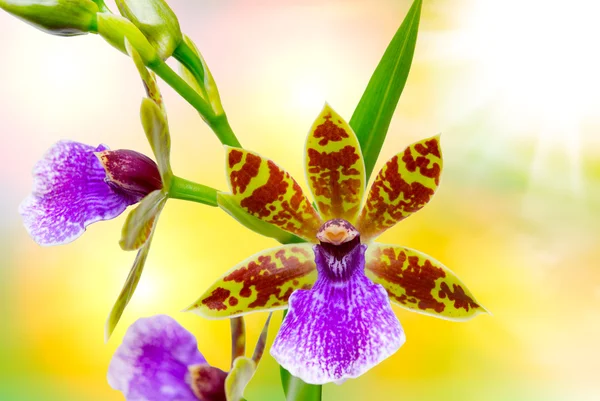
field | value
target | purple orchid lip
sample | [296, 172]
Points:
[344, 325]
[69, 193]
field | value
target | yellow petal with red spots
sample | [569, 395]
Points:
[269, 193]
[403, 186]
[262, 282]
[334, 167]
[420, 283]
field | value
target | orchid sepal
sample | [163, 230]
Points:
[262, 282]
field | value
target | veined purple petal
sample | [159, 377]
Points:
[69, 193]
[341, 327]
[152, 363]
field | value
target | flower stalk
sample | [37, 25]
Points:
[192, 191]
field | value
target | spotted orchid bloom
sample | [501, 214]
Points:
[159, 360]
[338, 286]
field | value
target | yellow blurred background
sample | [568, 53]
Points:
[513, 87]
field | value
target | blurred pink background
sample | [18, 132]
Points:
[513, 88]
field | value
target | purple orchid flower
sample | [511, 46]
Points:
[159, 361]
[76, 185]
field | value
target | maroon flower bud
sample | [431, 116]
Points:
[130, 172]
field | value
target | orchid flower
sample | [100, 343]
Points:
[76, 185]
[159, 361]
[337, 287]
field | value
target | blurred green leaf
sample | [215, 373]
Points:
[157, 132]
[374, 112]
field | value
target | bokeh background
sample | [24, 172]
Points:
[513, 87]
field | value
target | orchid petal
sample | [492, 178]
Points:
[420, 283]
[141, 221]
[403, 186]
[70, 193]
[266, 191]
[340, 328]
[262, 282]
[334, 167]
[152, 362]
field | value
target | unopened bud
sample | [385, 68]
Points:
[130, 172]
[57, 17]
[114, 29]
[157, 22]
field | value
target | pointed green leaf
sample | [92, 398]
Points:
[374, 112]
[140, 222]
[128, 289]
[157, 132]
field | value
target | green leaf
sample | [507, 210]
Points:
[374, 112]
[128, 289]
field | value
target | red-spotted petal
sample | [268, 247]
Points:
[268, 192]
[262, 282]
[403, 186]
[334, 167]
[420, 283]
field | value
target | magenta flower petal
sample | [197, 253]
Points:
[70, 192]
[152, 362]
[341, 327]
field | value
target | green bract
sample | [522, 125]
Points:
[114, 29]
[57, 17]
[156, 21]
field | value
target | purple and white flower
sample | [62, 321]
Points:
[159, 361]
[76, 185]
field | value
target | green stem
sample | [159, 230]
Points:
[186, 56]
[191, 191]
[218, 124]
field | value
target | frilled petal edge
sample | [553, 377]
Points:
[69, 193]
[337, 330]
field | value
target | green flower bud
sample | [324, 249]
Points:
[156, 20]
[114, 29]
[57, 17]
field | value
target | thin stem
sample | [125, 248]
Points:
[191, 191]
[218, 124]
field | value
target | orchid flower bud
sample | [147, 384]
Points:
[156, 20]
[114, 29]
[130, 172]
[57, 17]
